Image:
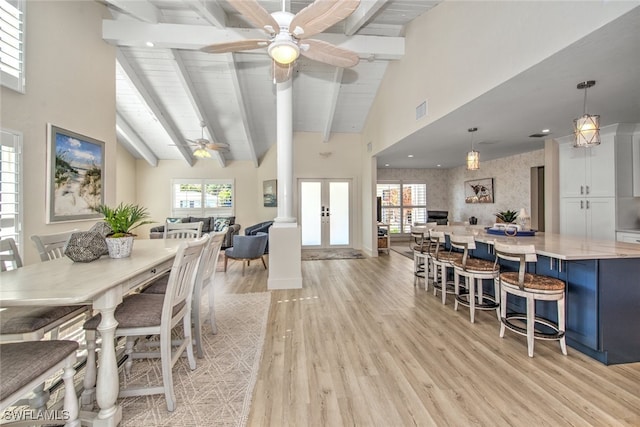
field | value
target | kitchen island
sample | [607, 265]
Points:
[602, 294]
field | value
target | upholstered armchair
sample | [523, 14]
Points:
[247, 248]
[262, 227]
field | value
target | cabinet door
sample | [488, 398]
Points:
[601, 163]
[572, 170]
[573, 220]
[601, 218]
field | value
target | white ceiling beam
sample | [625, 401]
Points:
[128, 135]
[198, 107]
[210, 11]
[155, 107]
[333, 102]
[361, 15]
[194, 37]
[139, 9]
[242, 107]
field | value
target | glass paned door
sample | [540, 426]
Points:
[325, 213]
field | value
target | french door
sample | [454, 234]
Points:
[324, 210]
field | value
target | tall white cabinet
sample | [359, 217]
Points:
[588, 188]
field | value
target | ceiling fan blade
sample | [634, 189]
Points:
[329, 54]
[256, 14]
[320, 15]
[235, 46]
[281, 73]
[217, 146]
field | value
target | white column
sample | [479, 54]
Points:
[284, 136]
[285, 269]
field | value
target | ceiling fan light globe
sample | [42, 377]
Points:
[284, 51]
[201, 153]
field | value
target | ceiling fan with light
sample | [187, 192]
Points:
[288, 34]
[202, 145]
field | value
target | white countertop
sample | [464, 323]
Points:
[556, 245]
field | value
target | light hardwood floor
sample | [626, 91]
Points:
[359, 345]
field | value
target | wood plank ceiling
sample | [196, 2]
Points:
[165, 91]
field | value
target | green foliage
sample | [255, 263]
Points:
[507, 216]
[124, 218]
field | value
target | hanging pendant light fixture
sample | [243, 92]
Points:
[587, 127]
[473, 157]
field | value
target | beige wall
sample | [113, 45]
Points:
[125, 176]
[70, 82]
[152, 183]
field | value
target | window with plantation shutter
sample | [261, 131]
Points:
[10, 185]
[202, 197]
[403, 204]
[12, 19]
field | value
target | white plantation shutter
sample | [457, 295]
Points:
[202, 197]
[403, 204]
[10, 185]
[12, 25]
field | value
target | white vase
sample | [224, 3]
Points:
[119, 247]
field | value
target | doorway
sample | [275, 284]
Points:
[325, 210]
[537, 198]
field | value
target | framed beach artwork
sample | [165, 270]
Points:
[75, 169]
[478, 191]
[270, 193]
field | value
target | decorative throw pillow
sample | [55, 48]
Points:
[174, 220]
[220, 223]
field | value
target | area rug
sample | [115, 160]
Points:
[403, 250]
[219, 391]
[323, 254]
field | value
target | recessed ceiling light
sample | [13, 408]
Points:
[410, 155]
[386, 164]
[545, 131]
[438, 165]
[149, 44]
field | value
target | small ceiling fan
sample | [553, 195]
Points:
[202, 145]
[288, 34]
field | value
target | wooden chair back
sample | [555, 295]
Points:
[182, 230]
[51, 246]
[9, 255]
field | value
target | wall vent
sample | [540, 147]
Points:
[538, 135]
[421, 110]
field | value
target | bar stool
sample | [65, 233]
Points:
[441, 260]
[475, 271]
[420, 248]
[533, 287]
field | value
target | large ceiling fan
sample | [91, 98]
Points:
[288, 34]
[202, 145]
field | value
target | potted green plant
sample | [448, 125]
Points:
[507, 216]
[122, 220]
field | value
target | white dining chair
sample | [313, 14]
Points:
[26, 365]
[142, 315]
[51, 246]
[182, 230]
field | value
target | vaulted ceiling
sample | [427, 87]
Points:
[165, 91]
[166, 87]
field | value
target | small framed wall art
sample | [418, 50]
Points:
[478, 191]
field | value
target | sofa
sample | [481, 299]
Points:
[262, 227]
[209, 224]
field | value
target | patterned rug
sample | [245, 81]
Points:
[322, 254]
[219, 391]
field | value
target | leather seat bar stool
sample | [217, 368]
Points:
[474, 271]
[532, 287]
[442, 264]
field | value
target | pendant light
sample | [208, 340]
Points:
[473, 157]
[587, 127]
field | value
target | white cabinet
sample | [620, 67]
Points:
[588, 189]
[593, 218]
[628, 237]
[588, 172]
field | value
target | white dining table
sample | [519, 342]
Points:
[101, 283]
